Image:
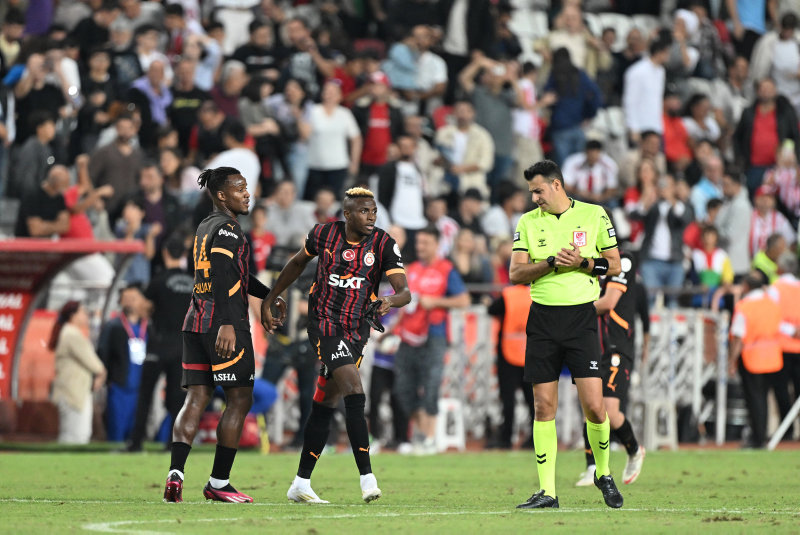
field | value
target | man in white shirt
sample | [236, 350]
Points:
[240, 157]
[289, 218]
[733, 223]
[591, 175]
[401, 189]
[643, 91]
[431, 71]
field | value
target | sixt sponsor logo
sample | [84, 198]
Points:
[345, 281]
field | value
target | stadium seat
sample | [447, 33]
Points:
[450, 425]
[699, 85]
[621, 23]
[656, 435]
[521, 23]
[592, 21]
[647, 24]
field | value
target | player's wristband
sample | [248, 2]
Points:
[600, 267]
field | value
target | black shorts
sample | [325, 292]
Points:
[559, 335]
[616, 375]
[202, 365]
[335, 352]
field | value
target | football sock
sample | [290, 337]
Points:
[179, 453]
[315, 436]
[546, 442]
[223, 461]
[587, 449]
[625, 435]
[599, 435]
[357, 431]
[218, 484]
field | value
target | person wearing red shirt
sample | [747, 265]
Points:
[380, 122]
[676, 138]
[347, 75]
[261, 240]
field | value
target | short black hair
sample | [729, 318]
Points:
[256, 25]
[39, 117]
[14, 15]
[710, 228]
[235, 129]
[754, 280]
[145, 28]
[132, 286]
[547, 168]
[214, 25]
[594, 144]
[173, 10]
[214, 179]
[789, 21]
[175, 246]
[648, 133]
[773, 239]
[713, 204]
[430, 230]
[659, 45]
[108, 5]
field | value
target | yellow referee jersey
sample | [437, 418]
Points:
[542, 234]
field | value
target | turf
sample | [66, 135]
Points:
[680, 492]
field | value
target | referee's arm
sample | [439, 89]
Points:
[522, 271]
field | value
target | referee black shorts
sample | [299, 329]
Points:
[559, 335]
[203, 366]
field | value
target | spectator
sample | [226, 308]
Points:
[118, 164]
[419, 361]
[500, 221]
[761, 130]
[648, 148]
[401, 188]
[494, 97]
[36, 92]
[79, 372]
[467, 150]
[180, 180]
[693, 233]
[468, 25]
[160, 206]
[260, 54]
[205, 140]
[707, 41]
[766, 259]
[146, 38]
[32, 161]
[698, 121]
[749, 23]
[665, 219]
[304, 59]
[326, 207]
[206, 54]
[643, 91]
[785, 179]
[380, 122]
[132, 227]
[123, 348]
[138, 13]
[239, 156]
[436, 212]
[587, 52]
[260, 239]
[292, 109]
[470, 260]
[11, 34]
[730, 96]
[79, 198]
[591, 175]
[733, 222]
[99, 92]
[289, 218]
[125, 62]
[349, 75]
[431, 72]
[711, 262]
[426, 157]
[259, 119]
[179, 30]
[167, 293]
[575, 98]
[677, 148]
[635, 48]
[709, 187]
[226, 94]
[527, 124]
[94, 29]
[767, 220]
[187, 98]
[152, 97]
[638, 197]
[683, 56]
[401, 64]
[469, 212]
[702, 151]
[506, 46]
[332, 128]
[43, 213]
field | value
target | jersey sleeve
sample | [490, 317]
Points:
[520, 236]
[312, 241]
[606, 234]
[392, 260]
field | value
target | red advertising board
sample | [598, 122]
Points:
[26, 267]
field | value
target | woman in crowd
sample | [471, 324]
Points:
[470, 260]
[179, 179]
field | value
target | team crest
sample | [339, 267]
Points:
[349, 255]
[615, 360]
[369, 258]
[579, 237]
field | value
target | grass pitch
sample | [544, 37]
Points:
[682, 492]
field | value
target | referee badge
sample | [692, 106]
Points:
[369, 258]
[579, 237]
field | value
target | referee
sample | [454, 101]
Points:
[560, 249]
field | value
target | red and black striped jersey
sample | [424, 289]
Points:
[219, 234]
[348, 275]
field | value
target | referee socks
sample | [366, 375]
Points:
[545, 443]
[599, 435]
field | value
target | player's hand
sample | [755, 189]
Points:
[226, 341]
[280, 305]
[569, 257]
[386, 305]
[266, 316]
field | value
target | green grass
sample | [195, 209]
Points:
[683, 492]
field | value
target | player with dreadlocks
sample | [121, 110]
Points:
[353, 256]
[217, 346]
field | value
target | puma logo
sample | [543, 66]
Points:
[364, 449]
[541, 459]
[314, 455]
[330, 254]
[604, 445]
[233, 226]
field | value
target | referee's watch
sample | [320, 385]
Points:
[551, 261]
[585, 263]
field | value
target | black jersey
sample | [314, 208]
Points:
[617, 326]
[348, 275]
[219, 234]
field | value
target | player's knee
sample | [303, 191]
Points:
[595, 411]
[544, 408]
[354, 405]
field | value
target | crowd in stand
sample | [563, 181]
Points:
[685, 129]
